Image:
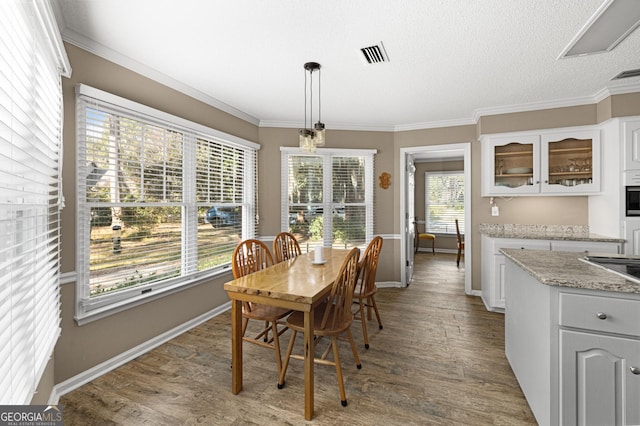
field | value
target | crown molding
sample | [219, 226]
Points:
[91, 46]
[436, 124]
[102, 51]
[329, 126]
[560, 103]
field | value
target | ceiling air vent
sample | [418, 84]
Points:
[627, 74]
[375, 54]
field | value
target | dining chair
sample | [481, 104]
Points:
[332, 318]
[460, 243]
[285, 247]
[365, 288]
[423, 236]
[248, 257]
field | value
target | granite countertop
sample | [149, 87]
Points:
[544, 232]
[564, 269]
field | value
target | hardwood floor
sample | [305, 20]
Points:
[439, 360]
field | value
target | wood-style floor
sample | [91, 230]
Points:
[439, 360]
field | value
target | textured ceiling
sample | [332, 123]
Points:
[449, 60]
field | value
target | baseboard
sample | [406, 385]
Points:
[488, 307]
[389, 284]
[438, 250]
[85, 377]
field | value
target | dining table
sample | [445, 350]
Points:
[297, 284]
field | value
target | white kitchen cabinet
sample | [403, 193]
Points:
[493, 267]
[631, 135]
[599, 360]
[493, 262]
[575, 352]
[632, 236]
[599, 385]
[559, 162]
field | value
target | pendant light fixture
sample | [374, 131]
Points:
[312, 136]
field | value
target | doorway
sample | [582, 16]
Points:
[408, 157]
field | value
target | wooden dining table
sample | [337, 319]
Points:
[297, 284]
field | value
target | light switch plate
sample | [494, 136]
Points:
[495, 211]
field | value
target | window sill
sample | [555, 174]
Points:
[89, 316]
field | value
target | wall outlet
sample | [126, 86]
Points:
[495, 210]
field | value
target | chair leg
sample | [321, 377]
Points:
[283, 371]
[458, 258]
[266, 331]
[336, 359]
[433, 246]
[354, 349]
[276, 345]
[363, 320]
[372, 302]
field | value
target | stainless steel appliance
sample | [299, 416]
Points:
[632, 201]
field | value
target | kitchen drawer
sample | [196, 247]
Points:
[521, 244]
[580, 311]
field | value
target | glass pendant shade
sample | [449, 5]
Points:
[320, 133]
[307, 140]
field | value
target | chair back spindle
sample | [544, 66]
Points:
[285, 247]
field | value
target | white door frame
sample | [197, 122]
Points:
[437, 150]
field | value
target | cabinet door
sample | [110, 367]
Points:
[631, 134]
[511, 165]
[598, 385]
[570, 162]
[632, 235]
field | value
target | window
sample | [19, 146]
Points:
[31, 61]
[328, 196]
[444, 201]
[161, 201]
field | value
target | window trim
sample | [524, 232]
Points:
[327, 153]
[91, 309]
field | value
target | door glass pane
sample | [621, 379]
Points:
[570, 162]
[514, 165]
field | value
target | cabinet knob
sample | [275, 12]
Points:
[601, 315]
[635, 370]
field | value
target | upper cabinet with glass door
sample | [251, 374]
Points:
[571, 162]
[559, 162]
[511, 164]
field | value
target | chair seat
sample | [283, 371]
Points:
[426, 236]
[359, 293]
[265, 312]
[295, 321]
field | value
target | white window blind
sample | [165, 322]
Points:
[444, 201]
[31, 62]
[328, 196]
[161, 200]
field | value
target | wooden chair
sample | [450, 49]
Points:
[285, 247]
[331, 319]
[423, 236]
[365, 289]
[460, 243]
[248, 257]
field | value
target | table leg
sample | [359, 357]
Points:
[308, 364]
[236, 346]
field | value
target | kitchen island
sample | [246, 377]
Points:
[572, 338]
